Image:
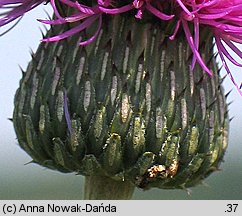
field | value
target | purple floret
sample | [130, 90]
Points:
[16, 9]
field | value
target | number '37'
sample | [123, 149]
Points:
[231, 207]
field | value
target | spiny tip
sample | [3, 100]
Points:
[32, 161]
[222, 79]
[205, 184]
[212, 103]
[10, 119]
[228, 93]
[229, 103]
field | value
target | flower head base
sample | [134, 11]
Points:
[221, 16]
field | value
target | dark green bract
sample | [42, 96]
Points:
[137, 110]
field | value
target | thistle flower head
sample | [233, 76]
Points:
[127, 106]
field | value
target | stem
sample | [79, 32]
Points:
[104, 188]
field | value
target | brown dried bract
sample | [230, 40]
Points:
[172, 170]
[157, 171]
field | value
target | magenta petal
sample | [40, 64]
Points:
[233, 47]
[172, 37]
[117, 10]
[104, 3]
[70, 19]
[53, 22]
[72, 31]
[52, 2]
[193, 47]
[69, 3]
[227, 68]
[157, 13]
[18, 9]
[90, 40]
[213, 16]
[225, 52]
[8, 2]
[184, 7]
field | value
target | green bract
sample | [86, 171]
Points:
[137, 111]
